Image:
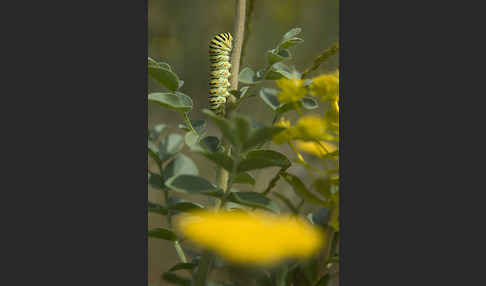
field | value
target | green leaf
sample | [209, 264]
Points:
[181, 83]
[242, 128]
[301, 190]
[155, 180]
[244, 92]
[156, 131]
[290, 42]
[199, 125]
[164, 76]
[176, 279]
[260, 159]
[179, 266]
[247, 76]
[287, 202]
[170, 145]
[162, 233]
[269, 96]
[173, 100]
[185, 206]
[320, 217]
[191, 139]
[323, 186]
[180, 165]
[273, 75]
[244, 178]
[309, 103]
[290, 34]
[153, 152]
[152, 62]
[220, 159]
[284, 70]
[261, 135]
[224, 125]
[210, 143]
[274, 56]
[156, 208]
[193, 185]
[253, 199]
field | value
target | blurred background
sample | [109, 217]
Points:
[179, 33]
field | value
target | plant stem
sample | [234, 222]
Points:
[239, 31]
[180, 252]
[188, 123]
[333, 49]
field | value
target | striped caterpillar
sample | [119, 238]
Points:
[219, 58]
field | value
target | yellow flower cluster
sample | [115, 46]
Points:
[252, 238]
[307, 128]
[326, 86]
[292, 90]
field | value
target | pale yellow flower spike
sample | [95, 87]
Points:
[252, 238]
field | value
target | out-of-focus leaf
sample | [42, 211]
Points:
[220, 159]
[199, 125]
[320, 216]
[274, 56]
[170, 145]
[323, 186]
[162, 233]
[155, 180]
[191, 139]
[242, 128]
[156, 208]
[193, 185]
[254, 199]
[247, 76]
[290, 34]
[286, 71]
[309, 103]
[210, 143]
[324, 280]
[290, 42]
[153, 152]
[301, 190]
[260, 136]
[244, 178]
[259, 159]
[224, 125]
[186, 266]
[269, 96]
[185, 206]
[173, 100]
[180, 165]
[164, 76]
[156, 131]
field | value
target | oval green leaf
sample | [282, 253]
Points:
[173, 100]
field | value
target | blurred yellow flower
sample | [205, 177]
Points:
[253, 238]
[291, 90]
[326, 86]
[315, 148]
[311, 127]
[285, 135]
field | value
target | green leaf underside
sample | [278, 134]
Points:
[260, 159]
[193, 185]
[169, 146]
[164, 76]
[244, 178]
[173, 100]
[162, 233]
[220, 159]
[180, 165]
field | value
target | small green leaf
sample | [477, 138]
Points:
[220, 159]
[261, 135]
[301, 190]
[156, 208]
[170, 145]
[273, 75]
[153, 152]
[184, 206]
[224, 125]
[164, 76]
[173, 100]
[155, 180]
[181, 83]
[156, 131]
[179, 266]
[242, 128]
[180, 165]
[247, 76]
[320, 217]
[274, 56]
[244, 178]
[290, 42]
[193, 185]
[260, 159]
[176, 279]
[253, 199]
[210, 143]
[290, 34]
[309, 103]
[269, 96]
[162, 233]
[191, 139]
